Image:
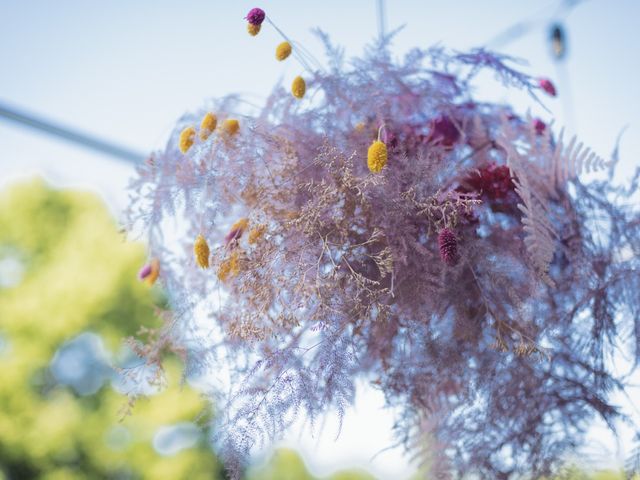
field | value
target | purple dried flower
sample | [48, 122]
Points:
[150, 272]
[547, 86]
[255, 16]
[145, 271]
[448, 245]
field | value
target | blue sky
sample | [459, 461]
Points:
[126, 70]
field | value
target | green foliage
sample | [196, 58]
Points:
[283, 465]
[576, 473]
[78, 274]
[286, 464]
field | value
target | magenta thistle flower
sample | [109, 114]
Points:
[448, 244]
[548, 86]
[255, 16]
[237, 229]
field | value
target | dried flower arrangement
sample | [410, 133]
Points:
[390, 226]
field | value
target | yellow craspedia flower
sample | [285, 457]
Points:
[201, 251]
[256, 233]
[230, 126]
[230, 267]
[359, 127]
[186, 139]
[223, 270]
[235, 263]
[298, 87]
[253, 29]
[377, 156]
[155, 272]
[241, 224]
[283, 51]
[208, 125]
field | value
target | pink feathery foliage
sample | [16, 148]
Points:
[473, 279]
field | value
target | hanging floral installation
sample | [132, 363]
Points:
[378, 222]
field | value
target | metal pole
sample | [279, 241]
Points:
[381, 19]
[70, 134]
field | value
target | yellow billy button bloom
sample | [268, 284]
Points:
[256, 233]
[155, 272]
[241, 224]
[377, 156]
[186, 139]
[208, 125]
[298, 87]
[230, 267]
[283, 51]
[230, 126]
[253, 29]
[201, 251]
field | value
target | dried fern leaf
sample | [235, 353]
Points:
[539, 232]
[569, 161]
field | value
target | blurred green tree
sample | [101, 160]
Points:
[286, 464]
[64, 269]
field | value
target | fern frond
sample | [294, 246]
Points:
[571, 160]
[539, 232]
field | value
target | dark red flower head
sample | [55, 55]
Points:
[448, 245]
[548, 86]
[539, 126]
[255, 16]
[442, 131]
[492, 180]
